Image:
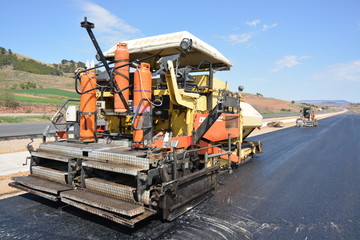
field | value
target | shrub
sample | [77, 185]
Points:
[7, 99]
[28, 85]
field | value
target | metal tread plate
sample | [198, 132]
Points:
[111, 189]
[41, 184]
[103, 202]
[62, 148]
[49, 173]
[97, 151]
[112, 167]
[46, 155]
[119, 158]
[129, 222]
[33, 191]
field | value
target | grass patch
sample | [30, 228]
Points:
[47, 91]
[25, 119]
[37, 100]
[54, 96]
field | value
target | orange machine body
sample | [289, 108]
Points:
[88, 107]
[226, 124]
[142, 97]
[121, 76]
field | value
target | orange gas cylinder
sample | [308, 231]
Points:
[142, 88]
[88, 107]
[142, 97]
[121, 76]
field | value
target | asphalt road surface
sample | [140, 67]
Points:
[28, 129]
[304, 186]
[21, 129]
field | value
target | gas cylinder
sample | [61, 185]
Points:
[88, 106]
[142, 105]
[121, 76]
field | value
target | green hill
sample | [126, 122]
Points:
[21, 72]
[28, 83]
[27, 65]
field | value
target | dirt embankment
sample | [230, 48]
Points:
[30, 109]
[263, 104]
[18, 145]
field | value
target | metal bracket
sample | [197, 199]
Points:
[163, 63]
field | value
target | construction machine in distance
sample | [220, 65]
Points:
[170, 129]
[307, 118]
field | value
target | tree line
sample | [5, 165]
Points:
[29, 65]
[69, 66]
[26, 65]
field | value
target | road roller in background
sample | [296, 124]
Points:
[307, 118]
[150, 135]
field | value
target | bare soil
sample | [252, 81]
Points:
[268, 104]
[10, 146]
[5, 190]
[29, 95]
[30, 109]
[17, 145]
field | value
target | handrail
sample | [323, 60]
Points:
[56, 118]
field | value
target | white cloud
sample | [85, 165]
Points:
[266, 26]
[288, 62]
[111, 28]
[253, 23]
[238, 38]
[349, 72]
[245, 37]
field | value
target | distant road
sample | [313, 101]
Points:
[21, 129]
[26, 129]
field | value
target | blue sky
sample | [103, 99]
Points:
[291, 50]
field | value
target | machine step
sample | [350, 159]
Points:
[39, 186]
[112, 167]
[49, 174]
[122, 157]
[103, 202]
[309, 123]
[112, 189]
[129, 222]
[97, 152]
[46, 155]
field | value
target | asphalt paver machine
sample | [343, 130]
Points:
[149, 135]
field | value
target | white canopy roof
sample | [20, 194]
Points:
[168, 44]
